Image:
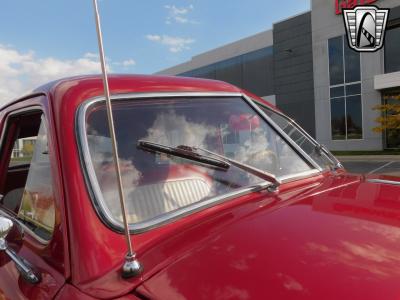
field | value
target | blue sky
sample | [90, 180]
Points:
[43, 39]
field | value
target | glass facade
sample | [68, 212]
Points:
[392, 50]
[252, 71]
[392, 97]
[345, 90]
[336, 74]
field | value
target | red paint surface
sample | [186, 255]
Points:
[52, 260]
[332, 236]
[331, 242]
[349, 4]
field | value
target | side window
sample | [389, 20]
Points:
[22, 151]
[305, 143]
[27, 185]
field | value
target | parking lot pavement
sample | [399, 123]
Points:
[372, 164]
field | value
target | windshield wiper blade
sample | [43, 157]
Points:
[184, 152]
[224, 162]
[250, 169]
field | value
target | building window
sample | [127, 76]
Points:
[392, 50]
[251, 71]
[345, 90]
[392, 134]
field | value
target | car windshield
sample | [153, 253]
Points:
[155, 183]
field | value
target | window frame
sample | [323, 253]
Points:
[344, 85]
[92, 182]
[292, 122]
[3, 137]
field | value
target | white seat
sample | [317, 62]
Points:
[148, 201]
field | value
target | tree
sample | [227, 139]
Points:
[390, 114]
[27, 149]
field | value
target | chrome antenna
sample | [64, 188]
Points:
[132, 266]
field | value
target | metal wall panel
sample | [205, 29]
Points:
[252, 71]
[293, 70]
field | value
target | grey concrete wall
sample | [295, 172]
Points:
[293, 70]
[395, 13]
[325, 25]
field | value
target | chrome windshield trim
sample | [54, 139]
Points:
[384, 181]
[92, 183]
[284, 135]
[184, 211]
[130, 96]
[330, 156]
[299, 176]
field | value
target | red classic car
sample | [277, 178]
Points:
[227, 198]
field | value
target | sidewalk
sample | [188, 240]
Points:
[376, 158]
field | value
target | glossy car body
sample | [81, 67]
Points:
[331, 235]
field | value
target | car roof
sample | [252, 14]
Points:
[88, 86]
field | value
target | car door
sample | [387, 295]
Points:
[30, 199]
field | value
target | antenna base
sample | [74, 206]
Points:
[132, 267]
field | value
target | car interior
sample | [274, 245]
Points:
[155, 184]
[17, 150]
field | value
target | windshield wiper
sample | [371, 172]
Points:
[250, 169]
[190, 152]
[184, 152]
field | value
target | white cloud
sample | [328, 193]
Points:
[128, 63]
[179, 14]
[21, 72]
[91, 55]
[174, 44]
[153, 37]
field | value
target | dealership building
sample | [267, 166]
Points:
[305, 67]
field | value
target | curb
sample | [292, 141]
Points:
[369, 158]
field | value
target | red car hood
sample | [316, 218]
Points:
[324, 243]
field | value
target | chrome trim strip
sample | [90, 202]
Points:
[131, 96]
[93, 184]
[330, 156]
[283, 134]
[383, 181]
[299, 176]
[181, 212]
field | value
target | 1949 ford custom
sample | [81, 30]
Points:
[226, 198]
